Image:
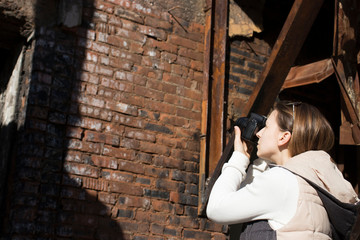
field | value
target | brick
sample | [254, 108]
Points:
[150, 93]
[157, 172]
[197, 65]
[129, 15]
[162, 107]
[129, 121]
[80, 169]
[89, 100]
[107, 198]
[172, 231]
[156, 228]
[127, 55]
[102, 161]
[134, 201]
[118, 42]
[169, 141]
[105, 71]
[188, 114]
[83, 146]
[117, 176]
[156, 23]
[147, 72]
[121, 153]
[129, 143]
[125, 188]
[114, 129]
[164, 184]
[193, 234]
[131, 167]
[95, 184]
[140, 135]
[120, 64]
[74, 193]
[168, 162]
[116, 85]
[136, 48]
[162, 206]
[144, 158]
[156, 194]
[143, 181]
[86, 123]
[154, 148]
[158, 128]
[178, 101]
[185, 52]
[173, 39]
[122, 108]
[184, 176]
[173, 120]
[88, 77]
[162, 46]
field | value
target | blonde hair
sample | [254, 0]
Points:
[309, 128]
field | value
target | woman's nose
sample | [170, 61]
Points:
[258, 134]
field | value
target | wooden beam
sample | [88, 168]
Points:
[205, 103]
[283, 55]
[308, 74]
[216, 132]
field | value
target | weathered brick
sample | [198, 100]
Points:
[162, 46]
[173, 39]
[140, 135]
[146, 92]
[163, 161]
[85, 123]
[131, 167]
[185, 52]
[173, 120]
[106, 162]
[118, 42]
[122, 108]
[129, 121]
[117, 176]
[196, 234]
[122, 13]
[95, 184]
[80, 169]
[160, 106]
[107, 198]
[157, 172]
[154, 148]
[75, 144]
[164, 184]
[121, 153]
[184, 176]
[125, 188]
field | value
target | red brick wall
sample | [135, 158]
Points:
[110, 145]
[247, 60]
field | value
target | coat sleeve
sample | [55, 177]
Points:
[272, 195]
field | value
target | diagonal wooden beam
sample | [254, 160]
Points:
[283, 55]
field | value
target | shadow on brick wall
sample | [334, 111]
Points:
[43, 200]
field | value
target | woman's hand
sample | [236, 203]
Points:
[240, 145]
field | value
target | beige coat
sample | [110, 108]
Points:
[310, 220]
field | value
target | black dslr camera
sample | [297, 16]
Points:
[250, 126]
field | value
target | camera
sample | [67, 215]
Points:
[250, 126]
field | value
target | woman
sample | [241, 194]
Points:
[276, 203]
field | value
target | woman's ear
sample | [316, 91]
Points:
[284, 138]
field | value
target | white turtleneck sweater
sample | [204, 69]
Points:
[260, 193]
